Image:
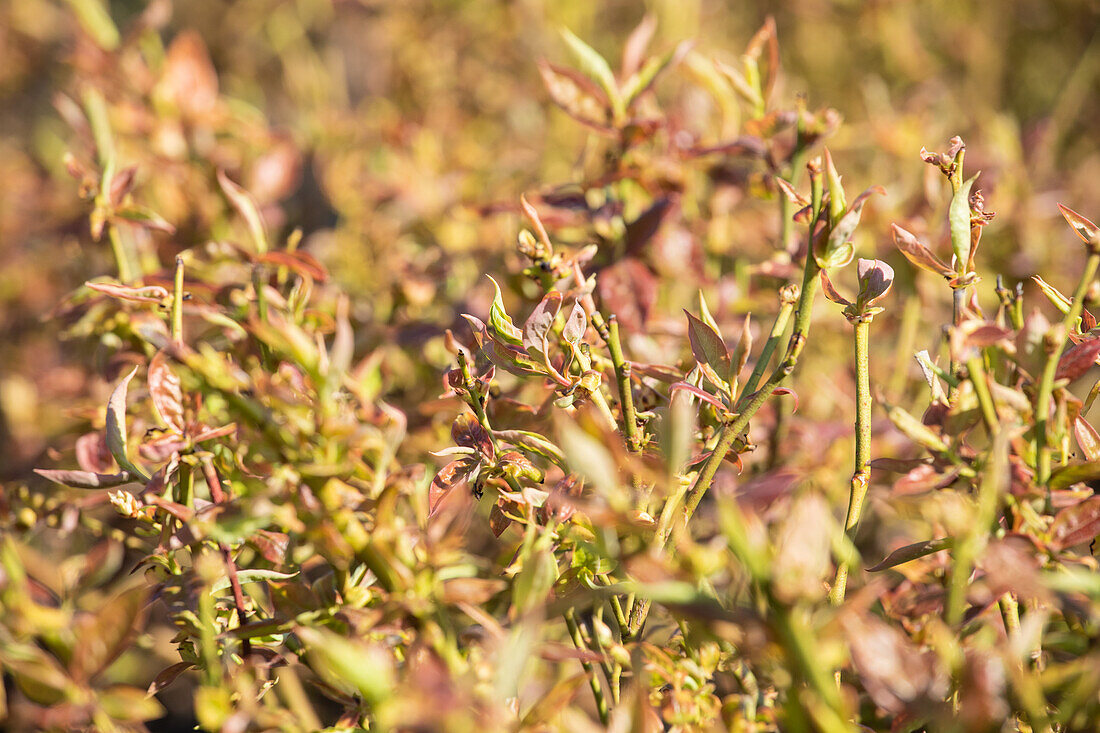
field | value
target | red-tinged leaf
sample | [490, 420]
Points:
[540, 321]
[272, 545]
[1087, 438]
[166, 392]
[466, 431]
[167, 676]
[708, 347]
[793, 196]
[1066, 476]
[299, 262]
[498, 520]
[92, 453]
[1076, 524]
[146, 294]
[1085, 229]
[779, 391]
[179, 511]
[575, 324]
[450, 476]
[203, 433]
[660, 372]
[577, 96]
[636, 44]
[912, 552]
[86, 479]
[920, 255]
[696, 392]
[121, 184]
[875, 279]
[1078, 360]
[830, 291]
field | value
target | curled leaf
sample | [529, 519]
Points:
[920, 255]
[1085, 229]
[116, 427]
[85, 479]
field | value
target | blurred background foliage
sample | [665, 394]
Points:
[398, 136]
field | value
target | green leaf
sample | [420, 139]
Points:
[501, 322]
[349, 664]
[1074, 473]
[116, 428]
[837, 202]
[959, 216]
[597, 68]
[530, 442]
[535, 580]
[653, 67]
[251, 576]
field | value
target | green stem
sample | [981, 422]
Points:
[590, 671]
[1050, 369]
[862, 473]
[980, 381]
[177, 304]
[788, 297]
[609, 331]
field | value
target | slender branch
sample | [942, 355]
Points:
[609, 331]
[590, 671]
[217, 493]
[862, 474]
[1050, 369]
[177, 304]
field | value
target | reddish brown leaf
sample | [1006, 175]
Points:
[167, 676]
[85, 479]
[696, 392]
[166, 392]
[912, 552]
[467, 432]
[1076, 524]
[1078, 360]
[920, 255]
[92, 453]
[1087, 438]
[576, 95]
[451, 475]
